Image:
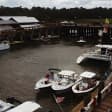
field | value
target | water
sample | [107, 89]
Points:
[20, 69]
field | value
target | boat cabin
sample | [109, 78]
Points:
[88, 80]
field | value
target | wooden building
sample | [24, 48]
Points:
[88, 32]
[22, 29]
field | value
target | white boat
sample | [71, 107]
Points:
[4, 106]
[4, 45]
[65, 81]
[102, 53]
[87, 84]
[46, 82]
[81, 40]
[27, 106]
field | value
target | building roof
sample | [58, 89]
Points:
[8, 17]
[7, 22]
[24, 19]
[20, 19]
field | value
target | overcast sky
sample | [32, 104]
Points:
[57, 3]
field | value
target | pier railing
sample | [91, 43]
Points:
[98, 98]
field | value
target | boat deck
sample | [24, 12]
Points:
[105, 105]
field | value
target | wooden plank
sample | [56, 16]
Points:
[78, 107]
[94, 93]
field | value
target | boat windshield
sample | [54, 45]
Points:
[54, 70]
[67, 75]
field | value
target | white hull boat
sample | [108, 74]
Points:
[102, 54]
[81, 90]
[4, 106]
[43, 83]
[81, 41]
[4, 46]
[65, 81]
[46, 82]
[87, 84]
[62, 86]
[27, 106]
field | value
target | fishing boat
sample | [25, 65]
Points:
[64, 82]
[87, 84]
[102, 53]
[4, 46]
[46, 81]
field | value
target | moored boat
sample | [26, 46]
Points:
[65, 81]
[103, 53]
[87, 84]
[46, 81]
[4, 106]
[4, 45]
[28, 106]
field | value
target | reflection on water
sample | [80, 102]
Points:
[20, 69]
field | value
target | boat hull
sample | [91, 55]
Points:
[41, 85]
[76, 91]
[4, 47]
[82, 59]
[57, 89]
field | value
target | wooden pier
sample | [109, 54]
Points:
[105, 105]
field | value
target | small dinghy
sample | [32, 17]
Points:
[87, 84]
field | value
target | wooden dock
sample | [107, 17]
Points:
[105, 105]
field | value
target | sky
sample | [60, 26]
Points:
[57, 3]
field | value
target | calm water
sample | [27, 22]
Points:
[20, 69]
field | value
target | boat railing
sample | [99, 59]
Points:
[98, 98]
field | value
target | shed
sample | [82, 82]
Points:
[6, 28]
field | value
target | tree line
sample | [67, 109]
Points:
[53, 14]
